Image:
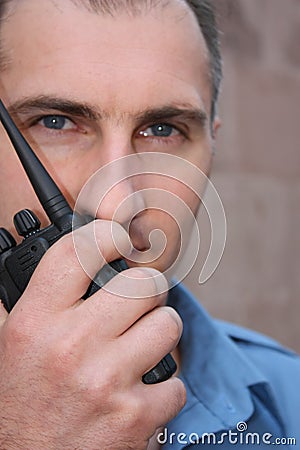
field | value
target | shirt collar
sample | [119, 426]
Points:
[216, 373]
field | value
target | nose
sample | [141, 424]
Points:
[114, 191]
[124, 199]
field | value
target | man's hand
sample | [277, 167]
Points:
[70, 369]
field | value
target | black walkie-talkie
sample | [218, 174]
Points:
[18, 262]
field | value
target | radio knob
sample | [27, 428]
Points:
[7, 241]
[26, 223]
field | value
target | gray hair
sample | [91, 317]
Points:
[202, 9]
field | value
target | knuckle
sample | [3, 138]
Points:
[175, 398]
[148, 282]
[132, 421]
[132, 409]
[62, 358]
[172, 324]
[18, 330]
[64, 247]
[116, 234]
[100, 390]
[117, 229]
[59, 253]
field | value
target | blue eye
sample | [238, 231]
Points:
[160, 130]
[56, 122]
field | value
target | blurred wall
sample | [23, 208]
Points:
[257, 168]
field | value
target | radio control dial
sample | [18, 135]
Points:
[7, 241]
[26, 223]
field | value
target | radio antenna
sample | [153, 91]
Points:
[51, 198]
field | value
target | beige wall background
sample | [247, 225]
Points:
[256, 170]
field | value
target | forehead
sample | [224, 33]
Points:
[79, 47]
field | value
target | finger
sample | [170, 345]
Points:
[170, 398]
[123, 300]
[150, 339]
[63, 274]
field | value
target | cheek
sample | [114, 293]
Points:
[71, 174]
[16, 194]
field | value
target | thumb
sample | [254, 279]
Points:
[3, 313]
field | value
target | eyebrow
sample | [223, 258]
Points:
[62, 105]
[186, 111]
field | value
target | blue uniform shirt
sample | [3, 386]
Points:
[243, 389]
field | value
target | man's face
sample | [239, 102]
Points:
[87, 89]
